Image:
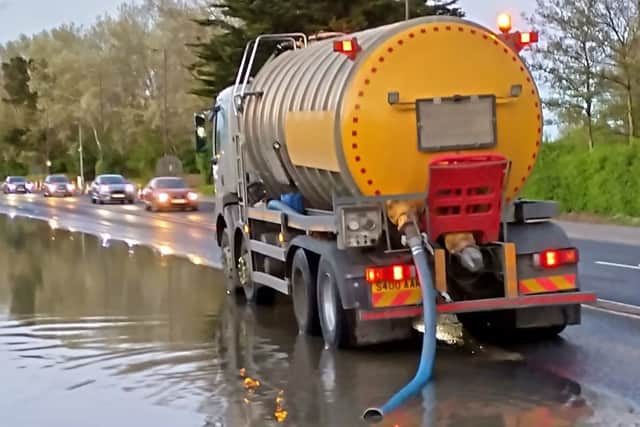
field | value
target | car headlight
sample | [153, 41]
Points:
[361, 226]
[104, 188]
[163, 197]
[70, 187]
[129, 188]
[192, 196]
[11, 186]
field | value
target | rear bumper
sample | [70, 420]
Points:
[484, 305]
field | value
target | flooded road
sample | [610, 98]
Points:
[96, 333]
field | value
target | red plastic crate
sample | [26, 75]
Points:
[465, 195]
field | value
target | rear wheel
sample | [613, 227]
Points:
[231, 282]
[253, 292]
[304, 293]
[93, 200]
[336, 323]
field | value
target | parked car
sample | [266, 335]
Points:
[16, 184]
[112, 188]
[58, 185]
[169, 193]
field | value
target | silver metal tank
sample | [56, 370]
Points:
[310, 79]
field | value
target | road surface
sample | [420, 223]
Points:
[592, 368]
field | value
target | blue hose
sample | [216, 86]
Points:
[425, 368]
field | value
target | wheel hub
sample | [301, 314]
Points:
[243, 271]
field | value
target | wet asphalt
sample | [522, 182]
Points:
[115, 330]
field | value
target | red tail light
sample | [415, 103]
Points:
[391, 273]
[556, 257]
[349, 47]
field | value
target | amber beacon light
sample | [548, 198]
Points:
[504, 23]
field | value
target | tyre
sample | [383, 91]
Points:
[93, 201]
[130, 201]
[304, 294]
[253, 292]
[336, 323]
[147, 207]
[231, 283]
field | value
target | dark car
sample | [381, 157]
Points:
[163, 193]
[16, 184]
[57, 185]
[112, 188]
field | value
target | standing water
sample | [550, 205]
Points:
[96, 333]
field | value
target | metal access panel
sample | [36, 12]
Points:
[455, 123]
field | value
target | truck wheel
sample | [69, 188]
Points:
[231, 282]
[336, 323]
[303, 289]
[253, 292]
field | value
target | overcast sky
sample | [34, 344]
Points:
[31, 16]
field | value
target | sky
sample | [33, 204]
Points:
[32, 16]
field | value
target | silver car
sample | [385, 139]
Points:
[112, 188]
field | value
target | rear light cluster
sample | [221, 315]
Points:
[390, 273]
[553, 258]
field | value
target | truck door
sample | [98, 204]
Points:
[224, 170]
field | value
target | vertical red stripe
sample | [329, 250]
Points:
[377, 298]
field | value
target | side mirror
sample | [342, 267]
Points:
[214, 161]
[200, 132]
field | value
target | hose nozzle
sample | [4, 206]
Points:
[373, 415]
[471, 259]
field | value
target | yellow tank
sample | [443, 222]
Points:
[341, 134]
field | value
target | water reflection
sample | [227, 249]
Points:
[155, 338]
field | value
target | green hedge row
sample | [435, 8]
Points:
[605, 181]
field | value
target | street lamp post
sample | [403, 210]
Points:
[406, 10]
[81, 183]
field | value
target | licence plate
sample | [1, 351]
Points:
[117, 196]
[396, 293]
[179, 201]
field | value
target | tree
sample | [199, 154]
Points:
[16, 75]
[569, 60]
[618, 27]
[233, 23]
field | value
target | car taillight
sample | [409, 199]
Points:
[553, 258]
[391, 273]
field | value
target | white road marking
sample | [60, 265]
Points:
[613, 264]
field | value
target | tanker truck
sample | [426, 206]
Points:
[341, 146]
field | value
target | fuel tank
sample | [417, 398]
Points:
[369, 124]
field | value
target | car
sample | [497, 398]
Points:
[112, 188]
[169, 192]
[16, 184]
[57, 185]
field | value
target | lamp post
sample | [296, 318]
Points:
[406, 10]
[81, 183]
